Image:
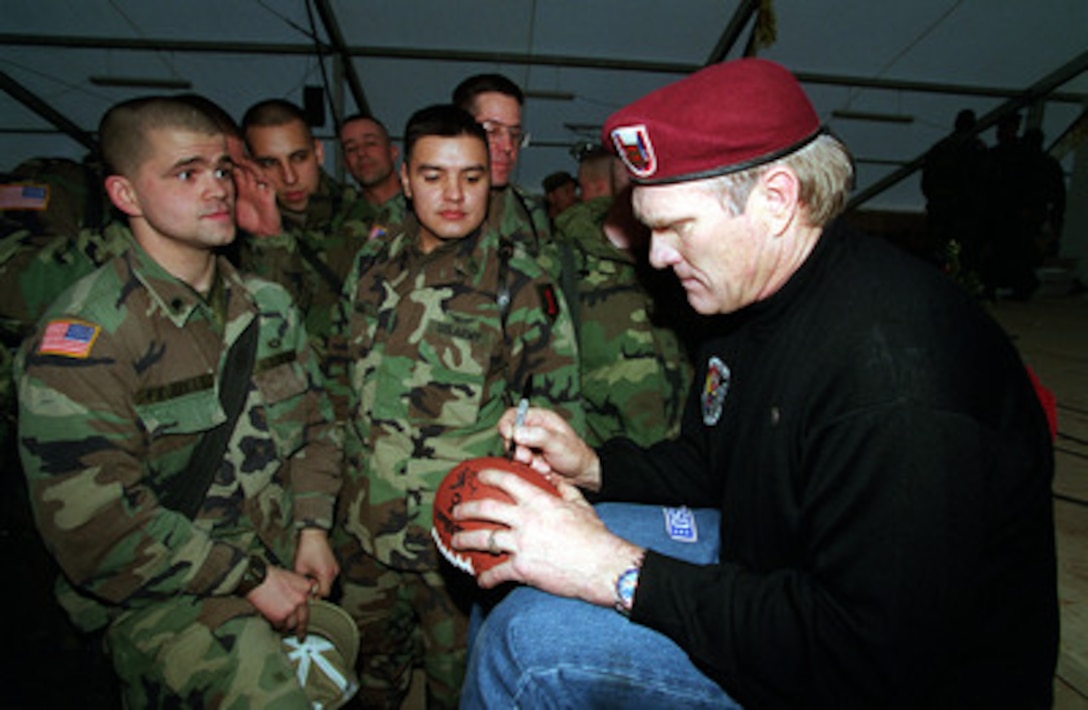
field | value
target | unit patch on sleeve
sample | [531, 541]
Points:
[714, 390]
[550, 300]
[70, 338]
[635, 149]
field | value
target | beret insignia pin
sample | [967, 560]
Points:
[635, 149]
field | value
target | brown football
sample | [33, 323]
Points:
[461, 484]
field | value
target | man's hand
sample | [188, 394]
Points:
[314, 559]
[283, 598]
[548, 444]
[557, 544]
[255, 208]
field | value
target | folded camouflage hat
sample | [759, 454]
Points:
[324, 661]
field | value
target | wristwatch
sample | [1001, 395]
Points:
[626, 586]
[254, 575]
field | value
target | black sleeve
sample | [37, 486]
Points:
[899, 556]
[671, 472]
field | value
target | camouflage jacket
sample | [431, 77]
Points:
[634, 366]
[363, 209]
[34, 270]
[312, 256]
[432, 370]
[519, 216]
[116, 387]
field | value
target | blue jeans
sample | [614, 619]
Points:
[535, 650]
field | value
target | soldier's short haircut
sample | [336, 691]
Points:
[123, 130]
[598, 164]
[444, 120]
[363, 117]
[274, 112]
[466, 92]
[224, 120]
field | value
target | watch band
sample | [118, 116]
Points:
[253, 577]
[627, 585]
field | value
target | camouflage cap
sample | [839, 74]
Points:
[324, 661]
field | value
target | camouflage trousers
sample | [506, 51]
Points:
[184, 653]
[406, 619]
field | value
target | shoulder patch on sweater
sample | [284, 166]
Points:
[714, 390]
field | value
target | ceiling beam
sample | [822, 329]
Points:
[170, 45]
[733, 30]
[1072, 137]
[36, 104]
[332, 28]
[1038, 91]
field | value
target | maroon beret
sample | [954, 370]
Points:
[726, 117]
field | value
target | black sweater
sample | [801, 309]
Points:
[883, 468]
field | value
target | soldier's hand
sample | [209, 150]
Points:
[314, 558]
[283, 598]
[255, 203]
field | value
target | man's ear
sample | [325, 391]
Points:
[404, 181]
[319, 151]
[122, 195]
[781, 192]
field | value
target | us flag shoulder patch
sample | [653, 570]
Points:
[70, 338]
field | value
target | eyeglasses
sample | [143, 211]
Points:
[496, 129]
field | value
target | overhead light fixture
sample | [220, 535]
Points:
[868, 116]
[550, 95]
[142, 83]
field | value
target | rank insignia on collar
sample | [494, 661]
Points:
[714, 390]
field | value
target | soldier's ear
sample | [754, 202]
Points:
[404, 184]
[122, 195]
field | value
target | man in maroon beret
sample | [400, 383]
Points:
[880, 461]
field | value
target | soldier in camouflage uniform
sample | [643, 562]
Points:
[322, 229]
[437, 360]
[191, 568]
[34, 269]
[371, 158]
[633, 321]
[495, 102]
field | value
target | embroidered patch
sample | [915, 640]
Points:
[378, 231]
[635, 149]
[550, 301]
[24, 197]
[714, 390]
[680, 524]
[71, 338]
